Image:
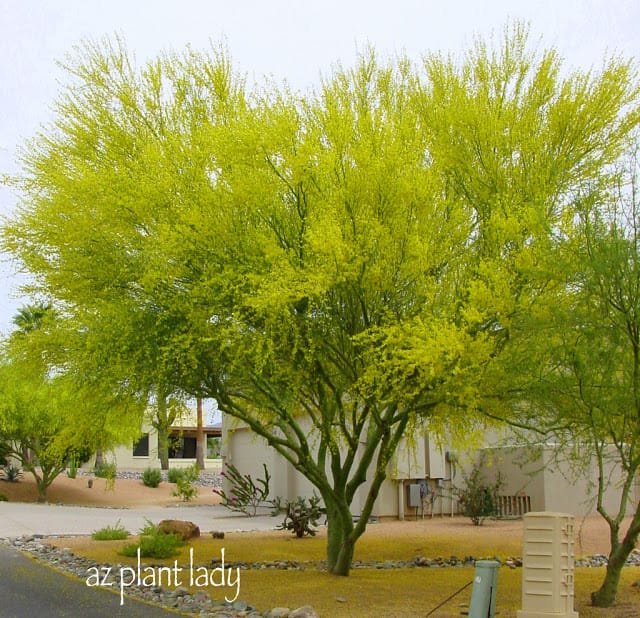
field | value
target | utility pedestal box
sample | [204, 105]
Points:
[483, 593]
[547, 572]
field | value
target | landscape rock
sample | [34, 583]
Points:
[278, 612]
[306, 611]
[184, 529]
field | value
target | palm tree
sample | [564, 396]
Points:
[30, 317]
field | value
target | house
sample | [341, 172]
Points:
[422, 476]
[182, 446]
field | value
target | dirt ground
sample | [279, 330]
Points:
[591, 532]
[125, 493]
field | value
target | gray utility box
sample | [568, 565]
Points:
[415, 500]
[547, 572]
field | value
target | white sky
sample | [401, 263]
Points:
[286, 39]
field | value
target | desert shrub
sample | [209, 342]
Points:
[478, 497]
[184, 485]
[245, 495]
[151, 477]
[300, 516]
[105, 470]
[154, 544]
[11, 473]
[174, 474]
[3, 498]
[110, 533]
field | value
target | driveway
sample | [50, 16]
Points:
[20, 518]
[29, 589]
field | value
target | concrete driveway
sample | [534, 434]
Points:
[18, 518]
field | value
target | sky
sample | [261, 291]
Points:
[290, 40]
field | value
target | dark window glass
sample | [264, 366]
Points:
[141, 447]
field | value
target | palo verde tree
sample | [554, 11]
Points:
[102, 184]
[365, 250]
[332, 268]
[47, 417]
[587, 365]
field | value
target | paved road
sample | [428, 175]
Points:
[18, 518]
[28, 589]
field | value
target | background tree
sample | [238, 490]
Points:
[109, 177]
[586, 392]
[49, 417]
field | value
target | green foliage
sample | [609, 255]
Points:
[4, 498]
[576, 362]
[184, 485]
[11, 473]
[173, 474]
[154, 544]
[36, 415]
[152, 477]
[213, 447]
[105, 470]
[477, 497]
[110, 533]
[300, 515]
[245, 494]
[72, 470]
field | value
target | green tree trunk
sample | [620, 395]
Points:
[340, 539]
[42, 490]
[200, 441]
[605, 596]
[162, 425]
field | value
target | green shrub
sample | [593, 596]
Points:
[154, 544]
[3, 498]
[299, 516]
[110, 533]
[174, 474]
[151, 477]
[478, 497]
[184, 485]
[11, 473]
[105, 470]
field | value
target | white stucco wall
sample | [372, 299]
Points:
[525, 471]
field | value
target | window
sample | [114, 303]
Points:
[182, 447]
[141, 447]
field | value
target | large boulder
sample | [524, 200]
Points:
[184, 529]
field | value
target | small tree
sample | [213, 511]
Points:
[34, 416]
[574, 367]
[184, 483]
